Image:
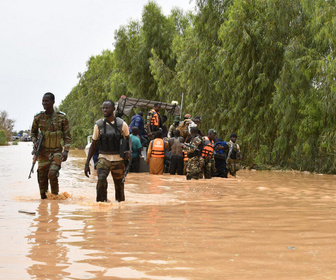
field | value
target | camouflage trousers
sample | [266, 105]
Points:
[233, 166]
[208, 168]
[185, 164]
[117, 169]
[48, 169]
[195, 167]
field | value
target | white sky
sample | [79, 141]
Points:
[44, 44]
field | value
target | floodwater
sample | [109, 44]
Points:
[260, 225]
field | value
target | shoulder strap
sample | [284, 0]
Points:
[111, 124]
[116, 124]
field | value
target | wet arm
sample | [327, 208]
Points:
[90, 155]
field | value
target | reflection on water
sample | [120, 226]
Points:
[47, 253]
[260, 225]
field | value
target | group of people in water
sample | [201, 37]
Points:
[182, 149]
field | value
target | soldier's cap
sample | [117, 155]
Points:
[177, 119]
[211, 130]
[233, 135]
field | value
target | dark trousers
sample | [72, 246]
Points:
[135, 166]
[221, 170]
[176, 165]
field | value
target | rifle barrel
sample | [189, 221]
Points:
[127, 169]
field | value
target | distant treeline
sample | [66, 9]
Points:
[265, 70]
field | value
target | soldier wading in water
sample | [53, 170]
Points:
[107, 136]
[194, 149]
[54, 127]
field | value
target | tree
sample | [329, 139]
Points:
[6, 124]
[83, 104]
[135, 44]
[262, 69]
[254, 39]
[3, 137]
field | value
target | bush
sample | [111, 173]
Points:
[3, 137]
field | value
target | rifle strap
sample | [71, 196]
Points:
[113, 125]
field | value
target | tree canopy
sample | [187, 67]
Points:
[262, 69]
[6, 127]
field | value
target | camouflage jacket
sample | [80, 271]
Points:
[194, 145]
[235, 152]
[236, 147]
[59, 123]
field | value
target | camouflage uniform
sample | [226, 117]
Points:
[195, 163]
[117, 169]
[50, 159]
[209, 166]
[233, 162]
[171, 130]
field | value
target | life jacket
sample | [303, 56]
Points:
[110, 136]
[156, 120]
[185, 156]
[208, 147]
[158, 148]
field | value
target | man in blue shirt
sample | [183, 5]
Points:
[136, 149]
[137, 120]
[221, 151]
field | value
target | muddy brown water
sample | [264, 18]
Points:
[260, 225]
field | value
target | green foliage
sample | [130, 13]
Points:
[15, 143]
[6, 124]
[263, 69]
[3, 137]
[83, 104]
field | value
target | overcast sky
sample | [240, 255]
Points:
[44, 44]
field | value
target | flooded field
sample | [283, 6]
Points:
[260, 225]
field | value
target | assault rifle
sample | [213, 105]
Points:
[127, 169]
[36, 152]
[191, 146]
